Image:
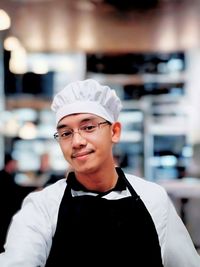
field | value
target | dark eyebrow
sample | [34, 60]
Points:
[61, 126]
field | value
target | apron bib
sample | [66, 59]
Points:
[94, 231]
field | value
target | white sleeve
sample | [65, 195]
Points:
[30, 235]
[179, 250]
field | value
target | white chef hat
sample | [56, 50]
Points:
[87, 96]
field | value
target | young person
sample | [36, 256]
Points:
[98, 215]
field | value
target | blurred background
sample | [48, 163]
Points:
[147, 50]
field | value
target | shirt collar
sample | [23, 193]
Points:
[77, 186]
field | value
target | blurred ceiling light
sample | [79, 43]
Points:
[35, 39]
[11, 127]
[11, 43]
[18, 61]
[40, 68]
[28, 131]
[86, 36]
[58, 33]
[4, 20]
[86, 42]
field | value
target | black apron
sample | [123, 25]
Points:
[94, 231]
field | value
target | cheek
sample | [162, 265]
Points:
[65, 150]
[101, 140]
[104, 143]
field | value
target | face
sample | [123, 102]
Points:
[88, 150]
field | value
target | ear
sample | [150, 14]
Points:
[116, 132]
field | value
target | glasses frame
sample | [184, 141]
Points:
[97, 125]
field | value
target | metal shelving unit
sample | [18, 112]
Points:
[152, 85]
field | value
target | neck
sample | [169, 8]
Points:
[100, 181]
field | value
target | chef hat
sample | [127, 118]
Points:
[87, 96]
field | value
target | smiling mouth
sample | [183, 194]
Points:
[81, 154]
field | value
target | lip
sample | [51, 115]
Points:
[81, 154]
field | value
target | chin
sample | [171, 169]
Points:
[86, 169]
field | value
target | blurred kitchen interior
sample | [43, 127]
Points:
[147, 50]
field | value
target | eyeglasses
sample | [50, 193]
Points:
[84, 130]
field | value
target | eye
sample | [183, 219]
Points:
[66, 134]
[88, 128]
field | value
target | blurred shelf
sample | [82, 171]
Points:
[24, 101]
[138, 79]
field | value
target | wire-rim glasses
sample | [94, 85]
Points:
[84, 130]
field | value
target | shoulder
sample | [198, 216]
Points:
[53, 192]
[41, 207]
[46, 201]
[148, 191]
[155, 198]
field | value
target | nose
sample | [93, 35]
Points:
[78, 140]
